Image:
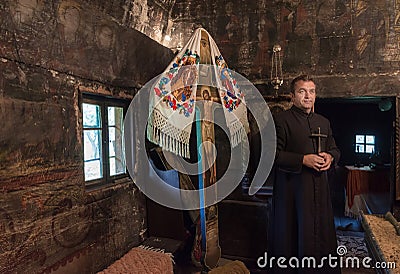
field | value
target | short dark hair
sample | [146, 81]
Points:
[303, 77]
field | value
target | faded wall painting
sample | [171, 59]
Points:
[371, 23]
[333, 27]
[295, 32]
[323, 36]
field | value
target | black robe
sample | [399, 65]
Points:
[301, 220]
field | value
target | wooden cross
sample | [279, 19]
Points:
[318, 136]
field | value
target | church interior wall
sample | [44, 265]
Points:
[350, 46]
[51, 53]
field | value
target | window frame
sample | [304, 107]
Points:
[104, 102]
[365, 143]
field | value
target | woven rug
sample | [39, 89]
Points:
[142, 260]
[356, 246]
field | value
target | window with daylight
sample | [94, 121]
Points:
[365, 143]
[103, 139]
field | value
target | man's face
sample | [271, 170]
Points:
[304, 95]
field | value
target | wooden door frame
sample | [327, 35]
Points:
[396, 150]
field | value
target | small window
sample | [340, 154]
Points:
[365, 144]
[103, 139]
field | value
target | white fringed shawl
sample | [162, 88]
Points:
[173, 98]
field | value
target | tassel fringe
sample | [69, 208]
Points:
[177, 144]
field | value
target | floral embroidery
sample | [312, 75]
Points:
[180, 78]
[231, 95]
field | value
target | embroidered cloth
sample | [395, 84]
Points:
[173, 98]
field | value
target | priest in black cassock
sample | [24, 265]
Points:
[302, 227]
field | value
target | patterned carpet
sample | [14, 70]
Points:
[355, 247]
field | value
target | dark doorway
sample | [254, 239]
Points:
[365, 116]
[354, 120]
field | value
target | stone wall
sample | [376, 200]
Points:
[51, 52]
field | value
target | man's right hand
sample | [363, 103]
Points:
[313, 161]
